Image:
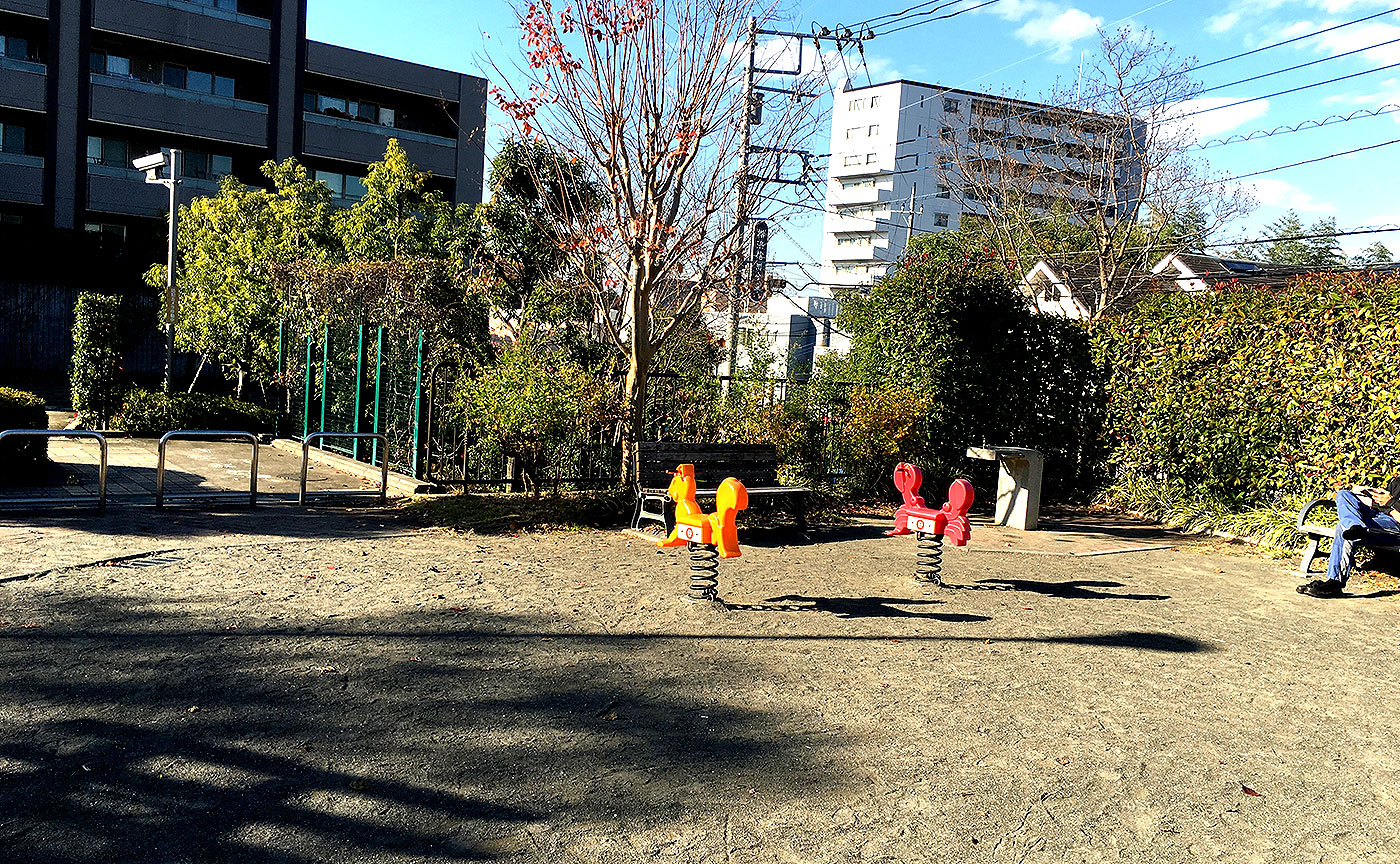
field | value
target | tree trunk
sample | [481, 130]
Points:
[639, 355]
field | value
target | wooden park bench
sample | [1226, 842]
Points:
[754, 465]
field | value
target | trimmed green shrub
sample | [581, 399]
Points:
[151, 413]
[945, 355]
[24, 458]
[98, 381]
[1257, 393]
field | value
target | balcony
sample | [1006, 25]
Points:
[22, 84]
[189, 24]
[37, 8]
[21, 178]
[129, 102]
[362, 143]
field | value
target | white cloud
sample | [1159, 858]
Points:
[1388, 93]
[1216, 122]
[1222, 23]
[1047, 23]
[1273, 192]
[1354, 38]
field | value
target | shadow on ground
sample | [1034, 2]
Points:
[143, 737]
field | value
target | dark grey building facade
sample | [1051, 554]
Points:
[88, 85]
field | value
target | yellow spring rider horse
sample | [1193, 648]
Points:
[708, 536]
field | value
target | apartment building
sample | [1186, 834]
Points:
[894, 168]
[88, 85]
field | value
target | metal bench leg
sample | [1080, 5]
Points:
[1309, 555]
[799, 510]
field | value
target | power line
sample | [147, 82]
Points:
[943, 17]
[1364, 113]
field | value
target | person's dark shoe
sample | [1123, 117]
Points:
[1327, 589]
[1354, 532]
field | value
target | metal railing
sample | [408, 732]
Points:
[383, 464]
[62, 433]
[205, 435]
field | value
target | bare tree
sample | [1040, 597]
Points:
[1098, 179]
[647, 98]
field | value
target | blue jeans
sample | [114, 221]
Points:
[1364, 525]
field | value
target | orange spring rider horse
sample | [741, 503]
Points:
[709, 536]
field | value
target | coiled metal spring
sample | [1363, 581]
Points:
[704, 571]
[930, 558]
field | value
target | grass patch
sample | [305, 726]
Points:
[507, 512]
[1273, 524]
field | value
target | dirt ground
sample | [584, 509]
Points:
[271, 694]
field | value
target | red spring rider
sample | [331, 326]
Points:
[929, 526]
[708, 536]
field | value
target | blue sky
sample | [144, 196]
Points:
[1024, 46]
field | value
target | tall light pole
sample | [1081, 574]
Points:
[742, 276]
[153, 165]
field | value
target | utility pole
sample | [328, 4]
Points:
[740, 285]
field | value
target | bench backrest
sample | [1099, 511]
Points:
[752, 464]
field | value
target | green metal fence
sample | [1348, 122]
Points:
[362, 378]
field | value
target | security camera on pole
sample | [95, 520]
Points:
[153, 165]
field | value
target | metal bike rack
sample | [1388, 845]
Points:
[205, 435]
[62, 433]
[384, 464]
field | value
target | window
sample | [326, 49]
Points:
[870, 158]
[942, 192]
[108, 232]
[940, 220]
[195, 165]
[354, 187]
[951, 106]
[342, 185]
[852, 132]
[874, 101]
[946, 133]
[114, 153]
[223, 86]
[105, 151]
[333, 106]
[852, 160]
[11, 138]
[175, 76]
[97, 63]
[143, 69]
[308, 101]
[855, 105]
[15, 47]
[386, 117]
[368, 112]
[120, 66]
[335, 181]
[874, 130]
[867, 183]
[199, 82]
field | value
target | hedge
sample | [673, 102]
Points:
[98, 381]
[24, 458]
[150, 413]
[1257, 393]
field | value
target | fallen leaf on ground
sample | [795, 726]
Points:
[1063, 760]
[1248, 791]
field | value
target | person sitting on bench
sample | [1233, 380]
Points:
[1365, 516]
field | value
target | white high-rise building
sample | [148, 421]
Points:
[885, 184]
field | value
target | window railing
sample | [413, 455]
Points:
[386, 131]
[23, 65]
[213, 12]
[188, 95]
